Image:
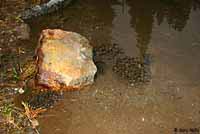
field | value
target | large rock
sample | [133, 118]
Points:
[65, 60]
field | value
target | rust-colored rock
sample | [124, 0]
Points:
[65, 60]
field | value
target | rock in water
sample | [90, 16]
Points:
[65, 60]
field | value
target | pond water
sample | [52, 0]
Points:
[163, 34]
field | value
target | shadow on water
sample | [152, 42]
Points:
[135, 42]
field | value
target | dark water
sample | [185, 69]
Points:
[163, 34]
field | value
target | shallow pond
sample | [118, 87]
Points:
[163, 34]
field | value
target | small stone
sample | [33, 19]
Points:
[142, 119]
[11, 40]
[21, 91]
[132, 84]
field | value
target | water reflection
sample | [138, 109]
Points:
[130, 23]
[122, 31]
[142, 15]
[132, 28]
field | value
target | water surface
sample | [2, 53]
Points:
[164, 33]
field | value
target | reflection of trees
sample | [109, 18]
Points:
[142, 20]
[2, 3]
[143, 12]
[196, 4]
[176, 12]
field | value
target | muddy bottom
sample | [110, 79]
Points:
[160, 95]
